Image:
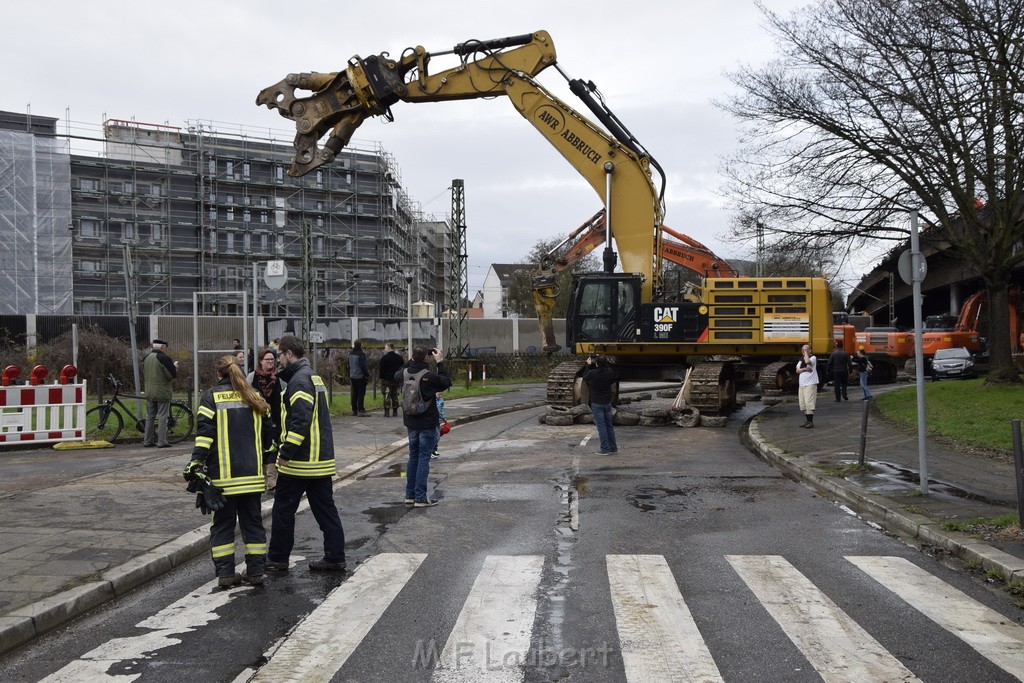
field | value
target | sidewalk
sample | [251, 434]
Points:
[962, 486]
[78, 528]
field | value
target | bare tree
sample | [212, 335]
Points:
[519, 293]
[878, 107]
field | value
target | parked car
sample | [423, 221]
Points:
[955, 362]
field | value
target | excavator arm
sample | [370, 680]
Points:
[614, 164]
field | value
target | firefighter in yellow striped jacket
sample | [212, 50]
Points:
[305, 462]
[231, 448]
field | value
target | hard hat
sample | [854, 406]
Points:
[445, 427]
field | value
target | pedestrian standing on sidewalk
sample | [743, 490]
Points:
[807, 369]
[442, 424]
[419, 414]
[231, 449]
[600, 378]
[358, 373]
[158, 371]
[839, 366]
[265, 380]
[390, 364]
[863, 365]
[305, 462]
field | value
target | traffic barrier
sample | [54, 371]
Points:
[42, 414]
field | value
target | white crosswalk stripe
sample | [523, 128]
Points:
[657, 634]
[319, 646]
[997, 638]
[491, 638]
[835, 645]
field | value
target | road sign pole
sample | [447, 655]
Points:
[916, 276]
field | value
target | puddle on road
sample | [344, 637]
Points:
[890, 478]
[396, 470]
[386, 515]
[659, 499]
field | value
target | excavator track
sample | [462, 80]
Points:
[562, 383]
[713, 388]
[778, 378]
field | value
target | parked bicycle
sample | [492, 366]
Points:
[106, 420]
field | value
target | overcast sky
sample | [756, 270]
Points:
[658, 64]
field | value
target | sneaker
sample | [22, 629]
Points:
[327, 566]
[410, 501]
[229, 581]
[424, 503]
[433, 456]
[253, 580]
[277, 566]
[604, 452]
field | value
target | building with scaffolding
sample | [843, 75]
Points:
[195, 208]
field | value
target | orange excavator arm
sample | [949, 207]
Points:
[682, 250]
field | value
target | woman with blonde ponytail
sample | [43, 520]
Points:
[232, 450]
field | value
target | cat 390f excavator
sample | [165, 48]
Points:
[625, 314]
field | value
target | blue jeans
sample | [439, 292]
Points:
[864, 384]
[422, 443]
[605, 431]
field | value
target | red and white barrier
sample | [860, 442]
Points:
[42, 414]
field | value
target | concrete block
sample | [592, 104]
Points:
[14, 631]
[53, 611]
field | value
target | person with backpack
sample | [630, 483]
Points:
[390, 363]
[420, 416]
[863, 365]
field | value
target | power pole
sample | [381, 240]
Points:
[457, 336]
[308, 286]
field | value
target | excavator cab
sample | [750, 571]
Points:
[604, 307]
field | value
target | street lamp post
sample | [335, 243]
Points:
[408, 309]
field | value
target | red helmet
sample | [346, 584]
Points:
[445, 427]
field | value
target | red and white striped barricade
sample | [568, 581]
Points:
[42, 414]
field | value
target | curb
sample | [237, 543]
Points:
[880, 510]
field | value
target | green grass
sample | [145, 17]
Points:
[964, 410]
[1000, 522]
[341, 406]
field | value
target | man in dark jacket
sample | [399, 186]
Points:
[359, 373]
[158, 370]
[390, 364]
[600, 378]
[423, 428]
[305, 463]
[839, 366]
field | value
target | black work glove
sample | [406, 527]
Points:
[208, 496]
[193, 470]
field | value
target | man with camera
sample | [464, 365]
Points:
[421, 419]
[600, 378]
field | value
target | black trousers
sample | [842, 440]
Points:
[840, 380]
[245, 509]
[358, 395]
[320, 494]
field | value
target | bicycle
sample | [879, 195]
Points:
[105, 421]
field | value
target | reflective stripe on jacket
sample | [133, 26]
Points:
[307, 442]
[229, 439]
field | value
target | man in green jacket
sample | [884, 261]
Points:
[158, 370]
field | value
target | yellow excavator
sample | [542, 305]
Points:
[620, 314]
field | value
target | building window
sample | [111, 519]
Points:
[230, 199]
[154, 190]
[247, 200]
[279, 173]
[212, 166]
[264, 217]
[213, 240]
[319, 221]
[246, 242]
[92, 307]
[246, 169]
[156, 233]
[263, 201]
[320, 250]
[264, 239]
[279, 244]
[229, 214]
[88, 184]
[213, 214]
[229, 168]
[230, 237]
[90, 266]
[130, 232]
[246, 216]
[319, 206]
[88, 227]
[319, 177]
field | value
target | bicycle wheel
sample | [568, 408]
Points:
[103, 423]
[180, 424]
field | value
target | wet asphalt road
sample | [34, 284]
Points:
[511, 487]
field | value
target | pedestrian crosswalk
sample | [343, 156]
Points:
[658, 637]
